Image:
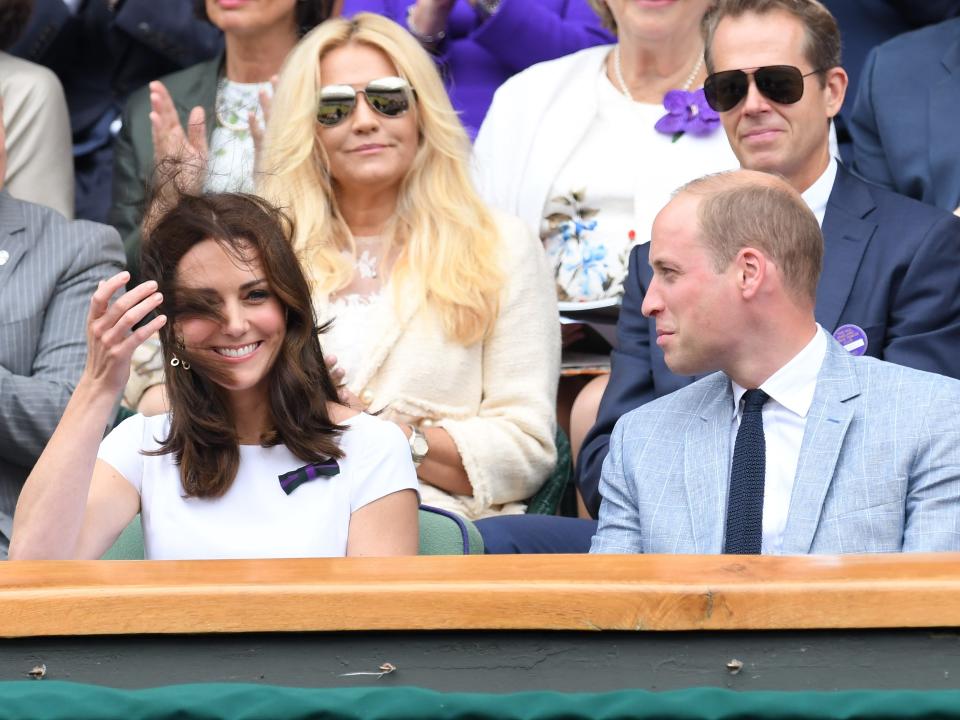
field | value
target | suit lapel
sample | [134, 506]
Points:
[846, 233]
[706, 465]
[14, 243]
[944, 103]
[827, 424]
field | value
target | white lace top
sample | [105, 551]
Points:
[230, 162]
[353, 307]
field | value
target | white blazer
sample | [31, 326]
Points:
[540, 116]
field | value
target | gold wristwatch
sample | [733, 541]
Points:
[418, 445]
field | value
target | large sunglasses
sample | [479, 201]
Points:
[782, 84]
[389, 96]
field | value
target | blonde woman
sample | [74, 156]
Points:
[444, 314]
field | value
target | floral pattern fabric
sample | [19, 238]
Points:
[585, 265]
[616, 178]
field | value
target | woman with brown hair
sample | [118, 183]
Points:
[257, 457]
[208, 114]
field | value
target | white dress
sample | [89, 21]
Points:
[257, 518]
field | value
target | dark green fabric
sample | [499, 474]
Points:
[547, 499]
[439, 535]
[49, 700]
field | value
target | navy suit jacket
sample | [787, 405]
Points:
[905, 118]
[864, 24]
[891, 266]
[100, 57]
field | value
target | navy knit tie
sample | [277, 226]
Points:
[745, 504]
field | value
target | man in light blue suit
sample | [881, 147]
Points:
[890, 262]
[795, 446]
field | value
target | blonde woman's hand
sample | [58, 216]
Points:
[337, 373]
[111, 338]
[172, 142]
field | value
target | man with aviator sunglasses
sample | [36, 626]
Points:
[889, 287]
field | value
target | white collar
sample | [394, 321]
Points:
[817, 195]
[793, 385]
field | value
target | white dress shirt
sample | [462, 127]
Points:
[817, 195]
[791, 391]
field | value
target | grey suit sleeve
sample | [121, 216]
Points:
[31, 406]
[932, 514]
[618, 530]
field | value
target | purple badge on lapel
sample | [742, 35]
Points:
[295, 478]
[852, 337]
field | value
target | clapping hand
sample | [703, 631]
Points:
[256, 131]
[111, 338]
[171, 142]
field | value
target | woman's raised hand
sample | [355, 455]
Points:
[111, 338]
[428, 18]
[171, 142]
[256, 130]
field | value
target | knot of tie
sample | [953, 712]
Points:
[753, 401]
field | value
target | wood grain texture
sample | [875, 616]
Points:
[532, 592]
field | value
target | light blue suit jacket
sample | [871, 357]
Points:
[879, 466]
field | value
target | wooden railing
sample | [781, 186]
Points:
[546, 592]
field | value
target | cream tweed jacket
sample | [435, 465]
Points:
[496, 398]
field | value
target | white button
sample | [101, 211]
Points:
[4, 256]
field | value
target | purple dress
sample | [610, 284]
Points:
[480, 52]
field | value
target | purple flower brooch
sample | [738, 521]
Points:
[687, 112]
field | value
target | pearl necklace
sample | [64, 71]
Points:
[618, 73]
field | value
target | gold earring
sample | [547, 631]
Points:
[175, 361]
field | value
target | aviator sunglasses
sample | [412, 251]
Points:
[782, 84]
[389, 96]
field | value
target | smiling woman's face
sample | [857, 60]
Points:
[242, 344]
[649, 21]
[252, 17]
[367, 151]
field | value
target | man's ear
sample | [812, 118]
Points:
[835, 89]
[751, 269]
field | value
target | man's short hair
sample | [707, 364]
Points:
[735, 213]
[823, 35]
